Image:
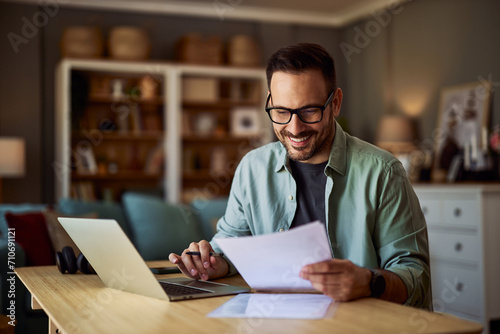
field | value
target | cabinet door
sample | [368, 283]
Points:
[456, 288]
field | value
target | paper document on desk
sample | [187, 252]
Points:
[272, 306]
[273, 261]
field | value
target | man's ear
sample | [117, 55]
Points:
[337, 102]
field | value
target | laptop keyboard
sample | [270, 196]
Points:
[173, 289]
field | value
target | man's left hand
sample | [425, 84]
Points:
[341, 280]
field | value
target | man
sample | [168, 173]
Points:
[316, 171]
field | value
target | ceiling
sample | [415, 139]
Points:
[331, 13]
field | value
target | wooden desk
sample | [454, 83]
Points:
[82, 304]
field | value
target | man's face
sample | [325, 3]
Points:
[309, 143]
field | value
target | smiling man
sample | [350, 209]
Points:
[316, 171]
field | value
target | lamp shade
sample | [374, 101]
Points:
[12, 157]
[396, 133]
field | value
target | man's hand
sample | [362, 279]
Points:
[341, 280]
[202, 267]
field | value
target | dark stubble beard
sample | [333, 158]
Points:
[320, 143]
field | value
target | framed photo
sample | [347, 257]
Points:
[462, 120]
[245, 122]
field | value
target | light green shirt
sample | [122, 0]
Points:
[373, 215]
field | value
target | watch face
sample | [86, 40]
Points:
[377, 284]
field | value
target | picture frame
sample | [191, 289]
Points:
[463, 117]
[245, 122]
[86, 163]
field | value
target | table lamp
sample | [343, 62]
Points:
[12, 158]
[396, 134]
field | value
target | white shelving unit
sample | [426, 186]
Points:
[171, 76]
[463, 226]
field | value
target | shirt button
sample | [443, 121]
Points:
[290, 198]
[282, 230]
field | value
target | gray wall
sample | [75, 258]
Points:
[428, 45]
[20, 101]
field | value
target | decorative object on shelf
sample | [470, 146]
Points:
[463, 113]
[155, 160]
[196, 49]
[86, 163]
[495, 139]
[112, 163]
[205, 123]
[129, 43]
[149, 87]
[117, 89]
[245, 122]
[200, 89]
[82, 42]
[243, 50]
[218, 160]
[495, 147]
[12, 158]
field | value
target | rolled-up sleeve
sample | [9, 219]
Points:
[234, 222]
[400, 236]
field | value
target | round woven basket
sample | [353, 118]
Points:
[129, 43]
[243, 51]
[82, 42]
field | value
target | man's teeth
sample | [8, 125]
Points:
[298, 140]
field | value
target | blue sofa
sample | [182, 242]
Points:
[155, 227]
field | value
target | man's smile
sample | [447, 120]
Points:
[299, 141]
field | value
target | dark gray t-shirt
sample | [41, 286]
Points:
[311, 182]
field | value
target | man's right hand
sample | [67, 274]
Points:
[202, 267]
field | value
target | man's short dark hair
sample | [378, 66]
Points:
[301, 57]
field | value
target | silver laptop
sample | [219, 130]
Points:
[119, 265]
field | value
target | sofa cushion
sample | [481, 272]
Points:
[159, 228]
[209, 212]
[105, 210]
[32, 235]
[57, 234]
[16, 208]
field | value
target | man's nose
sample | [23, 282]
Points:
[296, 125]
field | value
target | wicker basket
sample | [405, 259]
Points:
[82, 42]
[129, 43]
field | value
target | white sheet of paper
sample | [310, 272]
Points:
[273, 261]
[272, 306]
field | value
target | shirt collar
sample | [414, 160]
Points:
[338, 153]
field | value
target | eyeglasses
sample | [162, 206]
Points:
[309, 115]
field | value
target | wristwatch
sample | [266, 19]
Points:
[377, 284]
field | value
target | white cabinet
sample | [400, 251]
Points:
[134, 140]
[464, 227]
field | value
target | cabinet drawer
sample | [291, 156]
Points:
[432, 211]
[456, 288]
[454, 246]
[463, 212]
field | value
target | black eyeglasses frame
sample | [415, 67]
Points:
[296, 111]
